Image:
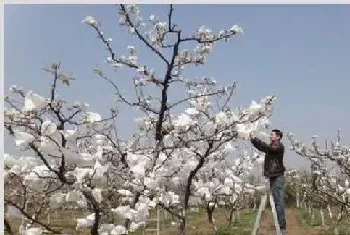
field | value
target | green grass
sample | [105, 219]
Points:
[242, 226]
[197, 224]
[305, 220]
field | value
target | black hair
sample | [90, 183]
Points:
[278, 133]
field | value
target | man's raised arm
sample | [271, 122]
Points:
[264, 147]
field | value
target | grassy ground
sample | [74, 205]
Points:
[305, 220]
[64, 221]
[197, 223]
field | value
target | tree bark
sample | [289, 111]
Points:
[182, 227]
[135, 200]
[8, 227]
[210, 212]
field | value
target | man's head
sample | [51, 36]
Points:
[276, 135]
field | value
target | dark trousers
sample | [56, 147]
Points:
[278, 187]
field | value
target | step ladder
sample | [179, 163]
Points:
[153, 230]
[261, 210]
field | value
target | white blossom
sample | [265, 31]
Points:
[152, 18]
[236, 29]
[91, 117]
[22, 138]
[89, 20]
[33, 102]
[86, 222]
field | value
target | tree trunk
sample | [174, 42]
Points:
[232, 217]
[298, 199]
[182, 227]
[312, 218]
[132, 206]
[322, 218]
[8, 227]
[210, 212]
[310, 210]
[96, 209]
[188, 190]
[238, 214]
[330, 212]
[49, 217]
[336, 230]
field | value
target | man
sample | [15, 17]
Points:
[274, 170]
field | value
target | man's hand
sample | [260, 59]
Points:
[252, 135]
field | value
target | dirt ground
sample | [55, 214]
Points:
[267, 226]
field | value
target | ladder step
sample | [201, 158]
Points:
[151, 229]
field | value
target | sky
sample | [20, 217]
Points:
[300, 53]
